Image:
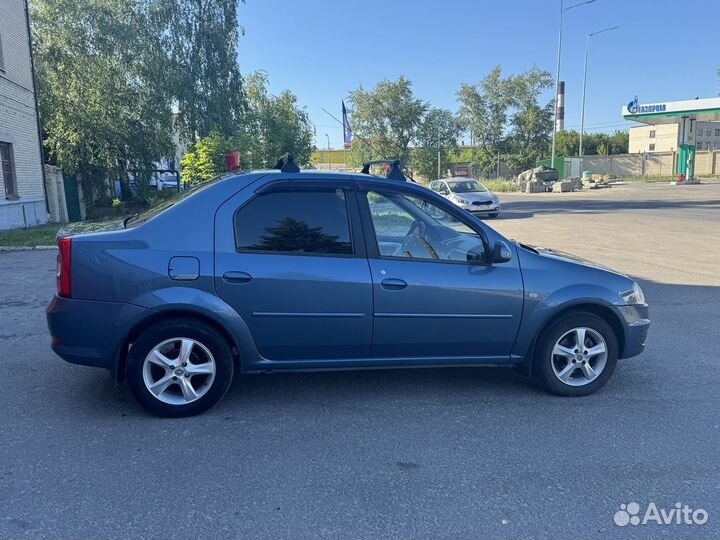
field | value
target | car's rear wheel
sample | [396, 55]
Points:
[179, 367]
[576, 354]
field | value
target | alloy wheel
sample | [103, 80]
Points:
[179, 371]
[579, 356]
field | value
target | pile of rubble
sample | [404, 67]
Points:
[597, 181]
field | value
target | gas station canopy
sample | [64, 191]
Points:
[671, 112]
[683, 113]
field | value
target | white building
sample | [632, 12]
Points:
[22, 198]
[666, 137]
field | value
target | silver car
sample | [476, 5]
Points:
[468, 194]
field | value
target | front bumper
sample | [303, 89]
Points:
[90, 333]
[636, 326]
[481, 209]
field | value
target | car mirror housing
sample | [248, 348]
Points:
[501, 252]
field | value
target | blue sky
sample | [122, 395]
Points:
[321, 49]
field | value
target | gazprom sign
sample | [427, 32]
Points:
[635, 108]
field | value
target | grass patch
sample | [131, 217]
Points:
[501, 186]
[44, 235]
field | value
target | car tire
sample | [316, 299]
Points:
[494, 214]
[562, 367]
[158, 377]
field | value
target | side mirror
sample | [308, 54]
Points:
[501, 252]
[476, 255]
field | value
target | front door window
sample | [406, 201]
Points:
[407, 226]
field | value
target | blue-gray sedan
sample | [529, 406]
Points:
[279, 271]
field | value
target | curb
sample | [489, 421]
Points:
[26, 248]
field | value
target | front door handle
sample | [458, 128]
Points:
[236, 277]
[393, 284]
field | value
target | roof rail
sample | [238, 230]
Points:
[394, 172]
[286, 164]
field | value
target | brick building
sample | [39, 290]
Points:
[22, 198]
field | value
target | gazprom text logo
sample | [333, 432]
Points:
[635, 108]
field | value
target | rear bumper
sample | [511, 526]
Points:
[91, 333]
[636, 327]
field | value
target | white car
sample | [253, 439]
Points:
[468, 194]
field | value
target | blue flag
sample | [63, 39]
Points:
[347, 130]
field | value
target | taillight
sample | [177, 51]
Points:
[63, 266]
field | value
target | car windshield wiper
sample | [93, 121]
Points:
[129, 219]
[526, 246]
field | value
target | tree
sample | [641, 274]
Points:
[274, 125]
[103, 102]
[201, 38]
[567, 143]
[270, 127]
[438, 132]
[388, 117]
[530, 123]
[207, 160]
[483, 112]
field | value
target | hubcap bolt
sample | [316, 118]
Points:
[187, 375]
[172, 367]
[184, 364]
[574, 361]
[174, 378]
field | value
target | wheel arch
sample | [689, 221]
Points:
[603, 311]
[118, 371]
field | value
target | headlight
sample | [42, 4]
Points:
[461, 201]
[634, 296]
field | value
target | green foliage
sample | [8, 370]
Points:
[438, 131]
[501, 186]
[484, 111]
[271, 126]
[207, 160]
[44, 235]
[200, 39]
[567, 143]
[103, 98]
[388, 117]
[504, 116]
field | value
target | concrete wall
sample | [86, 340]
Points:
[55, 187]
[648, 164]
[18, 122]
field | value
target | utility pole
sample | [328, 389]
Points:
[328, 153]
[582, 109]
[557, 74]
[438, 157]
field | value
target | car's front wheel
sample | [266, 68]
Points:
[576, 354]
[179, 367]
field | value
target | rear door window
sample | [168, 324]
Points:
[302, 222]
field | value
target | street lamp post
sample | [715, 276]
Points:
[582, 108]
[557, 73]
[328, 152]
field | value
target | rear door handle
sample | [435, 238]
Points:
[236, 277]
[393, 284]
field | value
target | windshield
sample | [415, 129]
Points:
[466, 186]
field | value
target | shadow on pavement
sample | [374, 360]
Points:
[527, 209]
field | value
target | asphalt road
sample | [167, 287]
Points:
[463, 453]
